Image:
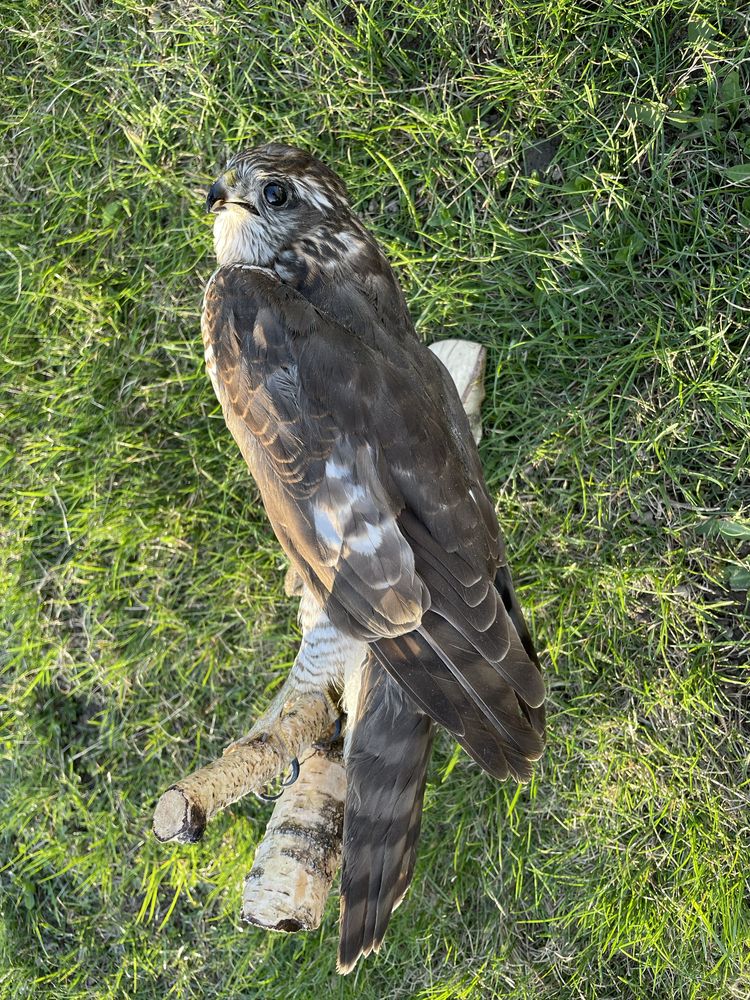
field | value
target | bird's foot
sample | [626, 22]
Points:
[335, 734]
[285, 783]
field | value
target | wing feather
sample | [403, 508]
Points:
[306, 448]
[371, 479]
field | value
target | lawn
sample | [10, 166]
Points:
[568, 184]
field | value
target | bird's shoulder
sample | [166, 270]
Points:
[341, 270]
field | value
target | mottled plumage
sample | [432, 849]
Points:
[371, 479]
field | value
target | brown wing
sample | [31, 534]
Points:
[372, 482]
[269, 353]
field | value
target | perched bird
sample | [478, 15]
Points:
[364, 458]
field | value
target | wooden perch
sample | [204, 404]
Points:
[294, 866]
[466, 362]
[289, 725]
[295, 863]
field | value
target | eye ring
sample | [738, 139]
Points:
[275, 194]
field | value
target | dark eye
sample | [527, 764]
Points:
[275, 194]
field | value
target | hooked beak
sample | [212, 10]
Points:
[218, 199]
[217, 195]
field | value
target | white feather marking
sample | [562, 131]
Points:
[312, 194]
[328, 532]
[336, 470]
[369, 538]
[351, 242]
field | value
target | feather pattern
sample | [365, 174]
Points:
[369, 473]
[386, 774]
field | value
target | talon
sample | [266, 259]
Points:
[328, 742]
[294, 775]
[266, 797]
[271, 797]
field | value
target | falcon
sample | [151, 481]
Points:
[356, 437]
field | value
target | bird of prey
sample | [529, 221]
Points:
[370, 477]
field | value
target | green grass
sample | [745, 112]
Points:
[568, 184]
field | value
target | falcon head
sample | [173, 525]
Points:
[268, 197]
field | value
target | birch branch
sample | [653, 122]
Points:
[289, 725]
[295, 863]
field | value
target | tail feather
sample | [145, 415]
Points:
[386, 772]
[469, 666]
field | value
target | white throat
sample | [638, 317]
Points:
[242, 238]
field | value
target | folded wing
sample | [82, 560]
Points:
[372, 482]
